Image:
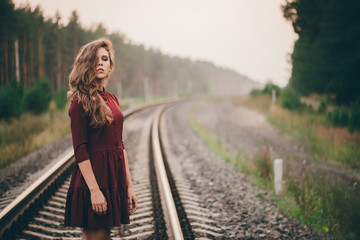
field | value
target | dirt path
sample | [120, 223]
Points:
[249, 132]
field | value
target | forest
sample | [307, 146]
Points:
[326, 55]
[47, 48]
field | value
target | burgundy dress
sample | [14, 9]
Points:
[104, 147]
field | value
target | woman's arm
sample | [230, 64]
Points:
[80, 138]
[133, 201]
[98, 201]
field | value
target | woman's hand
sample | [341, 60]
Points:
[98, 202]
[133, 201]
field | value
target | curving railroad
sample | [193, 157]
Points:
[37, 212]
[184, 191]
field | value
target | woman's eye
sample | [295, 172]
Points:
[105, 58]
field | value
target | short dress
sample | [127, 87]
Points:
[105, 149]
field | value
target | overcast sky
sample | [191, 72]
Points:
[248, 36]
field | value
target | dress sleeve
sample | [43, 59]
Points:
[79, 130]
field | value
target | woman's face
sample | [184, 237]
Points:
[102, 63]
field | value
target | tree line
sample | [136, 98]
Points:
[326, 55]
[47, 48]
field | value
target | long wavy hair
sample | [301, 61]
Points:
[83, 83]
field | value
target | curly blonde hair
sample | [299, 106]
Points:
[83, 83]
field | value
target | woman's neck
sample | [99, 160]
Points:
[101, 84]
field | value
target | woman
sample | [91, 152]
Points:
[101, 193]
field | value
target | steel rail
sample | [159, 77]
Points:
[17, 207]
[175, 231]
[13, 212]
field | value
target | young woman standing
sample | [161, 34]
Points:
[101, 193]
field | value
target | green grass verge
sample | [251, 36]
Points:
[347, 152]
[326, 142]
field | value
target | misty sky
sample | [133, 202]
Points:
[248, 36]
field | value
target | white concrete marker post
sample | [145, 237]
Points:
[278, 172]
[273, 96]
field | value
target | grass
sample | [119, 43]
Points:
[20, 136]
[215, 145]
[315, 200]
[23, 135]
[327, 206]
[327, 143]
[257, 167]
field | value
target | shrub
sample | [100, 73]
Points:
[11, 100]
[37, 98]
[322, 107]
[339, 117]
[354, 120]
[60, 98]
[291, 99]
[255, 92]
[269, 87]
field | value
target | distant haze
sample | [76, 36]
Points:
[248, 36]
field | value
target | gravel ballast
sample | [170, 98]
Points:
[22, 173]
[225, 192]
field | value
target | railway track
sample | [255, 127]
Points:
[37, 213]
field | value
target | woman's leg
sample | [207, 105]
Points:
[83, 237]
[96, 234]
